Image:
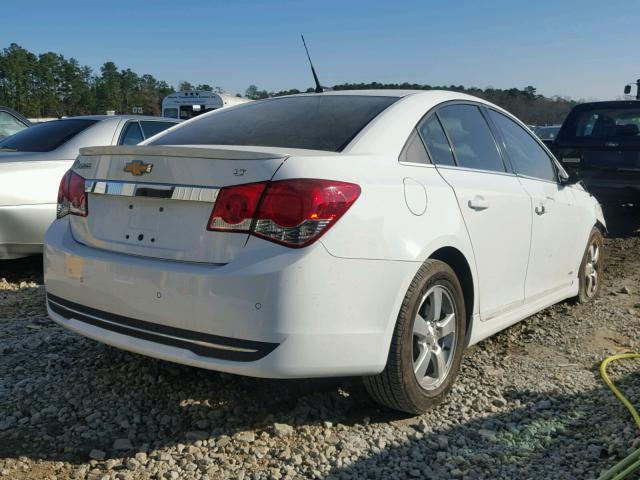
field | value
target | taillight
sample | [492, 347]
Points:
[72, 198]
[293, 212]
[235, 207]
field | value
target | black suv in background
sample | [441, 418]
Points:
[600, 143]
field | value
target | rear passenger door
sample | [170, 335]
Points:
[495, 207]
[556, 248]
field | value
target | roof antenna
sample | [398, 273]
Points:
[319, 88]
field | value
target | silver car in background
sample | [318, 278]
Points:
[11, 122]
[33, 161]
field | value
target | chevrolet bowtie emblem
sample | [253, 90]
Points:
[138, 168]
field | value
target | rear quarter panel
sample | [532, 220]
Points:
[31, 183]
[379, 225]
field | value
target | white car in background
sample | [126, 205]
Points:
[373, 233]
[33, 161]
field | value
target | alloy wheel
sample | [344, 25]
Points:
[434, 337]
[591, 270]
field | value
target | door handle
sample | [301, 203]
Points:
[541, 209]
[478, 203]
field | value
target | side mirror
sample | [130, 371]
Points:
[564, 177]
[627, 89]
[568, 178]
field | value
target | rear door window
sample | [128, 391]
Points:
[47, 136]
[526, 155]
[315, 122]
[9, 125]
[414, 151]
[152, 128]
[132, 134]
[436, 141]
[472, 141]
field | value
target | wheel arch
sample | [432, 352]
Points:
[461, 267]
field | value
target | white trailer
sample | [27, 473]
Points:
[188, 104]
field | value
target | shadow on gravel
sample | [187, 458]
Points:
[22, 270]
[557, 436]
[60, 407]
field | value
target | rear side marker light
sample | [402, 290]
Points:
[72, 198]
[294, 213]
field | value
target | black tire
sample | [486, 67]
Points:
[585, 293]
[397, 386]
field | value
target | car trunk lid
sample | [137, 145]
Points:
[155, 201]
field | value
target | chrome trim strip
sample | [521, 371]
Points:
[474, 170]
[197, 342]
[415, 164]
[152, 190]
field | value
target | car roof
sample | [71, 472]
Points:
[381, 92]
[608, 104]
[367, 92]
[122, 117]
[435, 95]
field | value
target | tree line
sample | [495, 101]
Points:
[50, 85]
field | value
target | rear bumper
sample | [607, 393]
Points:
[274, 312]
[22, 229]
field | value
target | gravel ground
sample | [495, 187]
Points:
[529, 403]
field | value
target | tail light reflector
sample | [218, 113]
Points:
[293, 212]
[72, 198]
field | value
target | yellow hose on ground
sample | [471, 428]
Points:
[613, 388]
[628, 465]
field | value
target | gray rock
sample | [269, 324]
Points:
[141, 457]
[122, 444]
[488, 434]
[499, 402]
[196, 435]
[248, 436]
[282, 429]
[543, 404]
[223, 441]
[443, 442]
[97, 454]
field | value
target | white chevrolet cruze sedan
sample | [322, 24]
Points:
[373, 233]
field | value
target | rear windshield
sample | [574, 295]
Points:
[603, 124]
[45, 137]
[310, 122]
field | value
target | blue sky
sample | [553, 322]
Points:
[583, 49]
